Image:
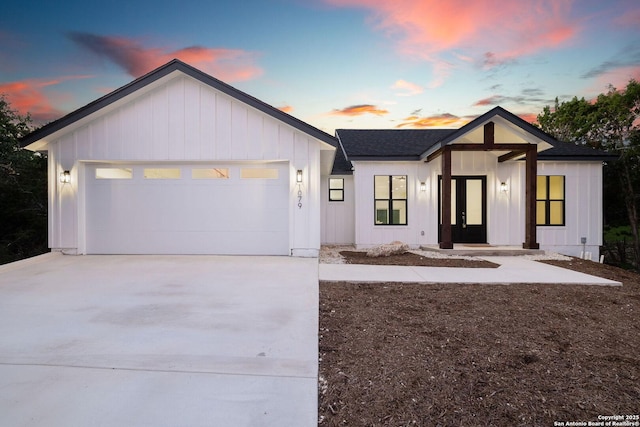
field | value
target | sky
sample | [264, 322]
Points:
[364, 64]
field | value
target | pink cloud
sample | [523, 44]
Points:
[29, 97]
[428, 28]
[617, 77]
[529, 117]
[358, 110]
[407, 88]
[492, 100]
[445, 120]
[226, 64]
[630, 18]
[286, 108]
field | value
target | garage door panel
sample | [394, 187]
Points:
[199, 216]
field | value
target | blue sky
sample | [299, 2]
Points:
[332, 63]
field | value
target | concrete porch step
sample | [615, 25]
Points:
[463, 249]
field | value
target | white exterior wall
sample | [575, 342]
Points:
[179, 119]
[583, 208]
[505, 211]
[338, 218]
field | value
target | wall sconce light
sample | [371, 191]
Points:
[299, 176]
[503, 187]
[423, 187]
[65, 177]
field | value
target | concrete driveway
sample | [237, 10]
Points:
[159, 341]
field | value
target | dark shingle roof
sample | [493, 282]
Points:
[568, 151]
[412, 144]
[341, 166]
[389, 144]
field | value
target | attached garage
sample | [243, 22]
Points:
[178, 162]
[170, 208]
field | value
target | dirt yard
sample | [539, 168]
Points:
[479, 355]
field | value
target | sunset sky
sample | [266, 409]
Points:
[332, 63]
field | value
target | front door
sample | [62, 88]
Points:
[468, 209]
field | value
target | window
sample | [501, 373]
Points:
[162, 173]
[390, 193]
[114, 173]
[211, 173]
[336, 190]
[550, 200]
[259, 173]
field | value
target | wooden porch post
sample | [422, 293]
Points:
[489, 135]
[530, 238]
[446, 241]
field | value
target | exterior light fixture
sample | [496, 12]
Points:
[299, 176]
[423, 187]
[503, 187]
[65, 177]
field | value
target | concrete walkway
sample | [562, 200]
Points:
[512, 270]
[159, 341]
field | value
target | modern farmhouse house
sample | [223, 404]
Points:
[178, 162]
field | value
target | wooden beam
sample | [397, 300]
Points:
[435, 154]
[445, 234]
[489, 135]
[510, 155]
[494, 147]
[531, 180]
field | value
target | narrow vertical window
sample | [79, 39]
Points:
[550, 200]
[390, 204]
[336, 190]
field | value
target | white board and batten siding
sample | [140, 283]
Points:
[505, 210]
[338, 217]
[583, 209]
[182, 122]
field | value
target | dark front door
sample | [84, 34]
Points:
[468, 209]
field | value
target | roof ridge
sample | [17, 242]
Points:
[156, 74]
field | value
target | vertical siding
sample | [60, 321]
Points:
[505, 211]
[337, 218]
[223, 129]
[239, 132]
[158, 144]
[583, 205]
[174, 147]
[183, 119]
[138, 131]
[207, 125]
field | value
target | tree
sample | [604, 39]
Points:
[612, 123]
[23, 190]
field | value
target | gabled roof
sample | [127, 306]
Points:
[158, 73]
[501, 112]
[415, 144]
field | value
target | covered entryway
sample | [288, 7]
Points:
[200, 208]
[468, 209]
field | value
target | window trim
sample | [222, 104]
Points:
[390, 201]
[547, 202]
[341, 190]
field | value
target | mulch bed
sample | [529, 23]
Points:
[479, 355]
[409, 258]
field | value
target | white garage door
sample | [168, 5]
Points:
[187, 209]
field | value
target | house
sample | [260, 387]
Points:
[497, 180]
[178, 162]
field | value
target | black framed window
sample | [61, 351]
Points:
[550, 200]
[390, 194]
[336, 190]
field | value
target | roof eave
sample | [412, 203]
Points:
[384, 158]
[158, 73]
